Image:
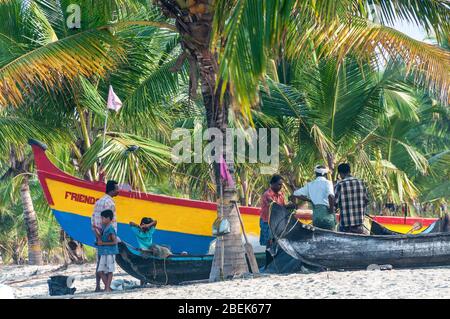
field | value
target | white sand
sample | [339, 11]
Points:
[417, 283]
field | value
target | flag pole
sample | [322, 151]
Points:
[100, 171]
[113, 103]
[104, 130]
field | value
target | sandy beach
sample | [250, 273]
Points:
[31, 282]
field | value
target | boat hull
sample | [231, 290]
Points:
[171, 270]
[333, 250]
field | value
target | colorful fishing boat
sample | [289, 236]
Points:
[184, 225]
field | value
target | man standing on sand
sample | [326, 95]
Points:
[321, 195]
[351, 197]
[104, 203]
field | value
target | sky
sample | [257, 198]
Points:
[411, 30]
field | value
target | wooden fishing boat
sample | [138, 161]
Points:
[184, 225]
[379, 229]
[333, 250]
[172, 270]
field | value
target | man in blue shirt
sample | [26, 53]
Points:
[144, 232]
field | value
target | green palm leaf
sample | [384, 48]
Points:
[87, 53]
[127, 158]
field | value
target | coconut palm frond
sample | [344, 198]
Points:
[439, 164]
[419, 160]
[86, 53]
[91, 99]
[15, 131]
[23, 28]
[127, 158]
[158, 87]
[283, 100]
[244, 55]
[368, 41]
[442, 190]
[429, 64]
[324, 143]
[433, 15]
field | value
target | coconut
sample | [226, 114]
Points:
[200, 8]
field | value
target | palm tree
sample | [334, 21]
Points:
[229, 45]
[15, 132]
[75, 107]
[396, 127]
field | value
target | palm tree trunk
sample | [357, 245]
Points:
[234, 262]
[244, 183]
[195, 25]
[34, 246]
[73, 251]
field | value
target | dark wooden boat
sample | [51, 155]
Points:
[333, 250]
[172, 270]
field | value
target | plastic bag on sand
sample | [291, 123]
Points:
[379, 267]
[6, 292]
[61, 285]
[122, 284]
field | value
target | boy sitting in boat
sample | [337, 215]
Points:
[107, 249]
[144, 232]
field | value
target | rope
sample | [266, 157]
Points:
[287, 224]
[154, 264]
[285, 231]
[58, 160]
[165, 272]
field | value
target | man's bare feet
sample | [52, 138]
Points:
[108, 290]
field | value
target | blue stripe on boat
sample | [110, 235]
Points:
[79, 228]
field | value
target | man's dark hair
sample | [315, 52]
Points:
[107, 214]
[344, 168]
[110, 186]
[146, 220]
[275, 179]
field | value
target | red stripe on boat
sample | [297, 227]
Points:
[46, 169]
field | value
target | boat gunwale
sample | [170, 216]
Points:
[325, 232]
[47, 170]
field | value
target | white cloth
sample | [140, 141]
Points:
[114, 103]
[104, 203]
[319, 170]
[317, 191]
[107, 263]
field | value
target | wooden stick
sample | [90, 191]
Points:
[247, 246]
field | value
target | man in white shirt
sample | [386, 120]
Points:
[104, 203]
[320, 193]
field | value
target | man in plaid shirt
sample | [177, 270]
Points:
[351, 197]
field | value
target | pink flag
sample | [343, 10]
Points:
[224, 173]
[114, 103]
